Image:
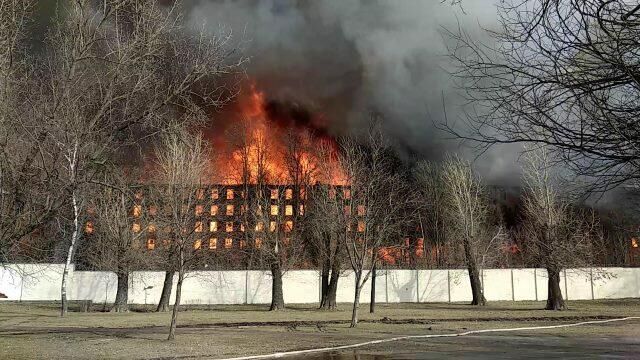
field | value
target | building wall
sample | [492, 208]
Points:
[42, 283]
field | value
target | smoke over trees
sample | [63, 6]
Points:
[344, 59]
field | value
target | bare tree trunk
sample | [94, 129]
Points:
[176, 305]
[372, 303]
[277, 296]
[163, 305]
[324, 277]
[554, 295]
[474, 277]
[122, 294]
[476, 286]
[356, 300]
[72, 248]
[329, 298]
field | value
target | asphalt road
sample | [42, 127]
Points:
[500, 347]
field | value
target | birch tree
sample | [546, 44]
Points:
[180, 180]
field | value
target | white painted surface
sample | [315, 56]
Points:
[497, 284]
[402, 286]
[42, 282]
[578, 284]
[459, 285]
[432, 285]
[615, 283]
[524, 284]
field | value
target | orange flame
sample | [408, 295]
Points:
[261, 151]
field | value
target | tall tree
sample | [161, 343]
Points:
[182, 169]
[372, 207]
[432, 217]
[112, 72]
[560, 73]
[554, 234]
[468, 216]
[116, 231]
[29, 197]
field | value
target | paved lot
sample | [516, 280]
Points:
[477, 347]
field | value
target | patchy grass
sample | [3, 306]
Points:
[35, 330]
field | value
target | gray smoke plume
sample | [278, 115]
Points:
[348, 58]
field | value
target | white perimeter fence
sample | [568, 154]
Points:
[42, 283]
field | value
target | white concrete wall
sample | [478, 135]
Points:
[433, 285]
[42, 282]
[497, 284]
[524, 284]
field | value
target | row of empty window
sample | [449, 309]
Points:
[229, 226]
[214, 210]
[230, 210]
[212, 243]
[230, 194]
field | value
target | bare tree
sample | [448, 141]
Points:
[325, 238]
[560, 73]
[116, 233]
[182, 169]
[28, 196]
[371, 209]
[554, 235]
[432, 214]
[114, 72]
[469, 220]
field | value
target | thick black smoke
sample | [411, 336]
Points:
[348, 58]
[345, 59]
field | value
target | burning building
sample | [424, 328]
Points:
[269, 158]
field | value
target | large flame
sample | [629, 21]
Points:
[259, 149]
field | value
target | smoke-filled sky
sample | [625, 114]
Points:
[350, 57]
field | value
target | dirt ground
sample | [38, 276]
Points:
[35, 330]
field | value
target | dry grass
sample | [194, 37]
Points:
[36, 331]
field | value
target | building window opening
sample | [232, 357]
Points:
[88, 227]
[288, 226]
[200, 194]
[137, 211]
[346, 193]
[199, 210]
